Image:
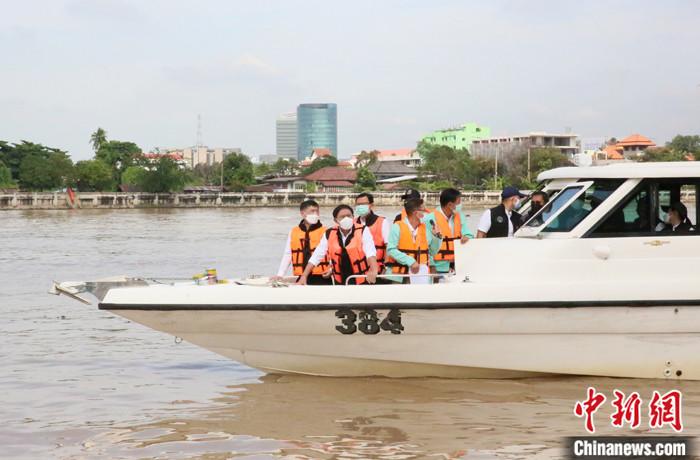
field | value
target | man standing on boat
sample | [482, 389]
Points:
[301, 243]
[452, 224]
[379, 226]
[348, 248]
[411, 245]
[503, 220]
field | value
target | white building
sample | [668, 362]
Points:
[286, 131]
[567, 144]
[406, 157]
[194, 156]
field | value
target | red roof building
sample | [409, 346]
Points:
[333, 178]
[634, 146]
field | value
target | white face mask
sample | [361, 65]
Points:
[517, 204]
[346, 223]
[311, 219]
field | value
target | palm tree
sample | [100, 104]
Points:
[98, 138]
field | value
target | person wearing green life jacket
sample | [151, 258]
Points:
[451, 222]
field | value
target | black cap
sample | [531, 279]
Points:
[411, 194]
[511, 191]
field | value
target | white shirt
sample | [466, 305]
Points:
[322, 249]
[485, 222]
[286, 257]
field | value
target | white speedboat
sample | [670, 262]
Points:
[591, 285]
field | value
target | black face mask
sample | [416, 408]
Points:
[534, 207]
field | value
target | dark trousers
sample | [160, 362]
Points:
[318, 280]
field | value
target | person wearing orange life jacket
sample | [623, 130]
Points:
[301, 243]
[411, 194]
[349, 248]
[411, 244]
[452, 224]
[379, 227]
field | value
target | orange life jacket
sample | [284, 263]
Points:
[379, 243]
[303, 242]
[447, 250]
[417, 249]
[358, 260]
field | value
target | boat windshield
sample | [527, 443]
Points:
[583, 205]
[553, 206]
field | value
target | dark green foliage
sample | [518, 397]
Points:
[93, 175]
[238, 171]
[319, 163]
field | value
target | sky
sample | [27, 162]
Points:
[143, 70]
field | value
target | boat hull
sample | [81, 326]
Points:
[618, 341]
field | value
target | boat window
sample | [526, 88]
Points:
[645, 211]
[554, 205]
[582, 206]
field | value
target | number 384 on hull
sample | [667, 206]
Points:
[595, 283]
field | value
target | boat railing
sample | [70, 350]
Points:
[431, 275]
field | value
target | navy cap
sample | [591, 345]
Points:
[511, 191]
[411, 194]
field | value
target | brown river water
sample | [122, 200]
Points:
[76, 382]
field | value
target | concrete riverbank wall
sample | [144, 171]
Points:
[117, 200]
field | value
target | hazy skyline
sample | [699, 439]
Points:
[397, 70]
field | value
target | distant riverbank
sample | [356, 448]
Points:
[119, 200]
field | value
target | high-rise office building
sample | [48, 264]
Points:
[317, 127]
[286, 130]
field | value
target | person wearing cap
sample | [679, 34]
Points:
[411, 194]
[503, 220]
[678, 221]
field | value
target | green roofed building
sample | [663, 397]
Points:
[460, 137]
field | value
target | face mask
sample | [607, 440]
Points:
[361, 210]
[535, 207]
[311, 219]
[420, 215]
[458, 208]
[346, 223]
[517, 205]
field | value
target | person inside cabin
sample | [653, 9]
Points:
[538, 200]
[379, 227]
[451, 222]
[301, 243]
[411, 245]
[503, 220]
[349, 249]
[678, 221]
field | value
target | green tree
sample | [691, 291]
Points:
[134, 175]
[119, 156]
[685, 144]
[445, 163]
[98, 138]
[365, 179]
[6, 180]
[262, 169]
[286, 167]
[93, 175]
[367, 158]
[49, 172]
[162, 176]
[12, 155]
[238, 171]
[662, 154]
[541, 159]
[319, 163]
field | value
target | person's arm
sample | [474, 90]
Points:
[315, 259]
[466, 234]
[392, 248]
[386, 229]
[484, 224]
[286, 258]
[371, 254]
[434, 241]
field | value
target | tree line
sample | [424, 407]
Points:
[35, 167]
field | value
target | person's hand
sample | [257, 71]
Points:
[276, 278]
[415, 267]
[465, 239]
[302, 280]
[436, 231]
[327, 273]
[371, 276]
